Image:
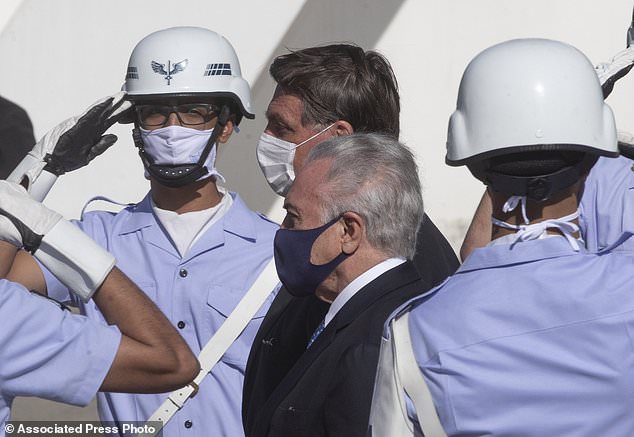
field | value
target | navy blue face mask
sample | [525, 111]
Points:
[292, 259]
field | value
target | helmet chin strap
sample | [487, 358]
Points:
[540, 187]
[179, 175]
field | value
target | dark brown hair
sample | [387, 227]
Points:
[341, 82]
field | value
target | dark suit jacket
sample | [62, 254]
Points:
[289, 323]
[434, 258]
[16, 136]
[327, 391]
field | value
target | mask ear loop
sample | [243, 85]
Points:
[512, 202]
[316, 135]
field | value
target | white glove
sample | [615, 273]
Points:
[69, 254]
[23, 221]
[70, 145]
[619, 66]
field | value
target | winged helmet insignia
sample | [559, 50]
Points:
[171, 68]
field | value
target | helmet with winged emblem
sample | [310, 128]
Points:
[184, 62]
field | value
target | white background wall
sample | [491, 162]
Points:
[57, 57]
[60, 56]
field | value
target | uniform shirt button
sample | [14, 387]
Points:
[181, 324]
[183, 273]
[188, 424]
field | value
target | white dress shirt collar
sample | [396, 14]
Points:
[358, 283]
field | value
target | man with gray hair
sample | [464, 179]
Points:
[338, 242]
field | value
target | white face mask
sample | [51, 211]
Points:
[275, 157]
[177, 145]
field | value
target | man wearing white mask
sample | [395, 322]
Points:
[322, 92]
[192, 246]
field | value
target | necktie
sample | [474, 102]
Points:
[313, 337]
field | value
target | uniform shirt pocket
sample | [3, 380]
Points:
[221, 301]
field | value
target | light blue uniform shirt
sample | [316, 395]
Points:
[537, 340]
[607, 204]
[196, 293]
[48, 352]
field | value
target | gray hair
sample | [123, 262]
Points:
[377, 177]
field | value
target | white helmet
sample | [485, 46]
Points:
[522, 94]
[187, 61]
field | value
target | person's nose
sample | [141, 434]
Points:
[172, 120]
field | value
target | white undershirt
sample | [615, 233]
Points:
[185, 229]
[358, 283]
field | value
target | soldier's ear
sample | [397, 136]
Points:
[226, 132]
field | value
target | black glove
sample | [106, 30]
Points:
[75, 142]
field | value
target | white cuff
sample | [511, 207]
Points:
[75, 259]
[39, 181]
[42, 185]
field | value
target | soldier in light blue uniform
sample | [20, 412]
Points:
[39, 342]
[48, 352]
[197, 292]
[533, 334]
[192, 246]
